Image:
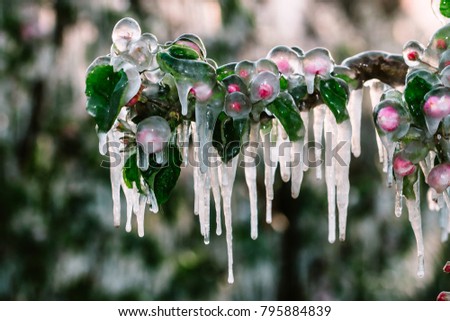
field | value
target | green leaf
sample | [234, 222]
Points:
[444, 8]
[284, 109]
[408, 185]
[183, 52]
[334, 93]
[163, 178]
[418, 85]
[131, 173]
[184, 68]
[227, 136]
[105, 91]
[225, 71]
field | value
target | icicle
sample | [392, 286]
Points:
[250, 177]
[215, 184]
[297, 167]
[319, 116]
[202, 132]
[270, 166]
[115, 172]
[389, 156]
[102, 143]
[444, 224]
[284, 149]
[205, 209]
[305, 118]
[161, 157]
[330, 130]
[129, 192]
[398, 195]
[342, 167]
[140, 215]
[152, 201]
[185, 134]
[227, 175]
[196, 170]
[416, 223]
[355, 110]
[183, 89]
[376, 90]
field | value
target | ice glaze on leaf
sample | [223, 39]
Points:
[334, 93]
[105, 90]
[284, 109]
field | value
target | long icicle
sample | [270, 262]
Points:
[305, 118]
[319, 116]
[355, 111]
[376, 90]
[416, 224]
[215, 186]
[250, 177]
[284, 150]
[330, 180]
[227, 175]
[297, 163]
[342, 167]
[113, 146]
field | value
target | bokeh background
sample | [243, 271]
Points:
[57, 241]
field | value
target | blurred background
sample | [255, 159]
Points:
[57, 240]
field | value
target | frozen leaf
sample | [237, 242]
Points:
[287, 60]
[317, 61]
[105, 91]
[284, 109]
[335, 94]
[264, 87]
[444, 8]
[225, 71]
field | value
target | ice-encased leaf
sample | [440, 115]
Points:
[163, 178]
[237, 105]
[419, 82]
[444, 8]
[105, 90]
[335, 94]
[183, 52]
[227, 136]
[287, 60]
[225, 71]
[284, 109]
[131, 173]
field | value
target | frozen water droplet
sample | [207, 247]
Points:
[99, 61]
[139, 52]
[215, 185]
[355, 110]
[125, 31]
[152, 201]
[287, 60]
[319, 117]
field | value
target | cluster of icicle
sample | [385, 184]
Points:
[219, 178]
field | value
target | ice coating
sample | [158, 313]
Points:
[215, 186]
[152, 135]
[115, 173]
[439, 177]
[388, 119]
[436, 107]
[317, 61]
[305, 118]
[415, 219]
[297, 161]
[284, 146]
[376, 90]
[237, 105]
[355, 110]
[246, 70]
[287, 60]
[140, 53]
[265, 86]
[412, 53]
[102, 143]
[125, 31]
[250, 177]
[398, 196]
[445, 76]
[402, 166]
[266, 65]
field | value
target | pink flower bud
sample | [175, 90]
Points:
[403, 167]
[439, 177]
[388, 119]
